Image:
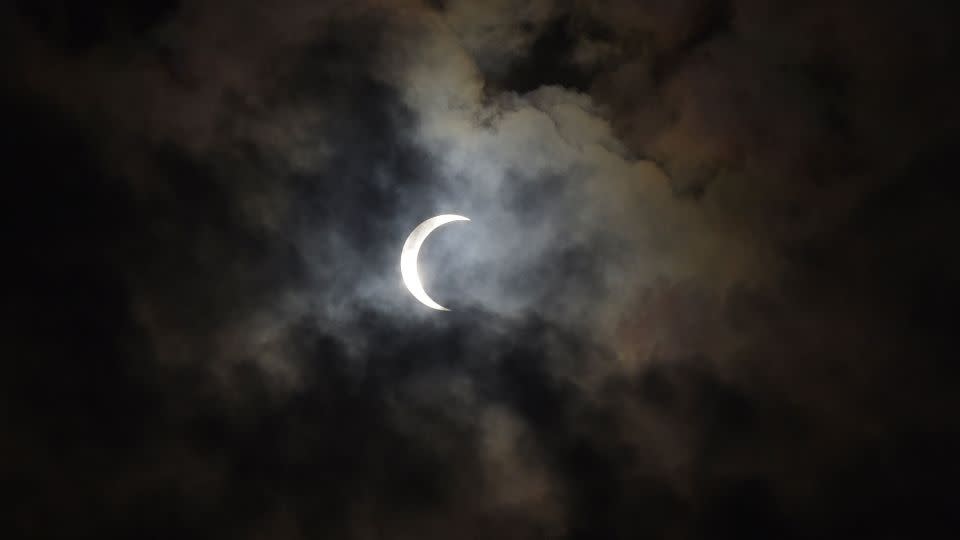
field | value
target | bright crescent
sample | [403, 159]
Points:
[411, 250]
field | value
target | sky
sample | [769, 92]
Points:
[707, 288]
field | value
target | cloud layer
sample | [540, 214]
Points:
[706, 290]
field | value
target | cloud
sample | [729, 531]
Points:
[693, 279]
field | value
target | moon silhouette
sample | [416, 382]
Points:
[411, 250]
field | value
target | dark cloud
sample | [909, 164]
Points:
[548, 62]
[78, 29]
[707, 289]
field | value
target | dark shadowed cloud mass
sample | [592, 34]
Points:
[708, 288]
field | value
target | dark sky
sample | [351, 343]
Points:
[708, 290]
